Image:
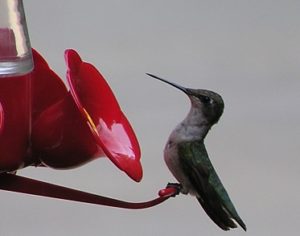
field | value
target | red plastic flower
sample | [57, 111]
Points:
[73, 127]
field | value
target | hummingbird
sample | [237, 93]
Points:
[187, 159]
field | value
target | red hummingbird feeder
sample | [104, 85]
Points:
[43, 123]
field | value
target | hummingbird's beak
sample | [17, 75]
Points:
[183, 89]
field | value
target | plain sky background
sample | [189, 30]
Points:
[248, 51]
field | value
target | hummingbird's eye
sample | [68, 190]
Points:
[205, 99]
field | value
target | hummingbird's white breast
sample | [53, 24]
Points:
[193, 127]
[182, 133]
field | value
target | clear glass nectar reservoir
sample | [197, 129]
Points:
[15, 49]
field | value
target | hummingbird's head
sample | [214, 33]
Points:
[209, 103]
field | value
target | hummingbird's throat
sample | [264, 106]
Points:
[195, 124]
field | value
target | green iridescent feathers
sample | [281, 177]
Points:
[211, 193]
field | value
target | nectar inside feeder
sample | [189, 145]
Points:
[15, 67]
[15, 50]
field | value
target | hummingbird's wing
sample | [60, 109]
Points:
[211, 193]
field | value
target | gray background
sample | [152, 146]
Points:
[248, 51]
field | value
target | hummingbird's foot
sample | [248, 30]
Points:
[175, 186]
[171, 190]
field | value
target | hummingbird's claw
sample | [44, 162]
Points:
[171, 190]
[175, 186]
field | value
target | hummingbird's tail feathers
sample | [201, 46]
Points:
[221, 216]
[241, 223]
[216, 202]
[224, 201]
[217, 215]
